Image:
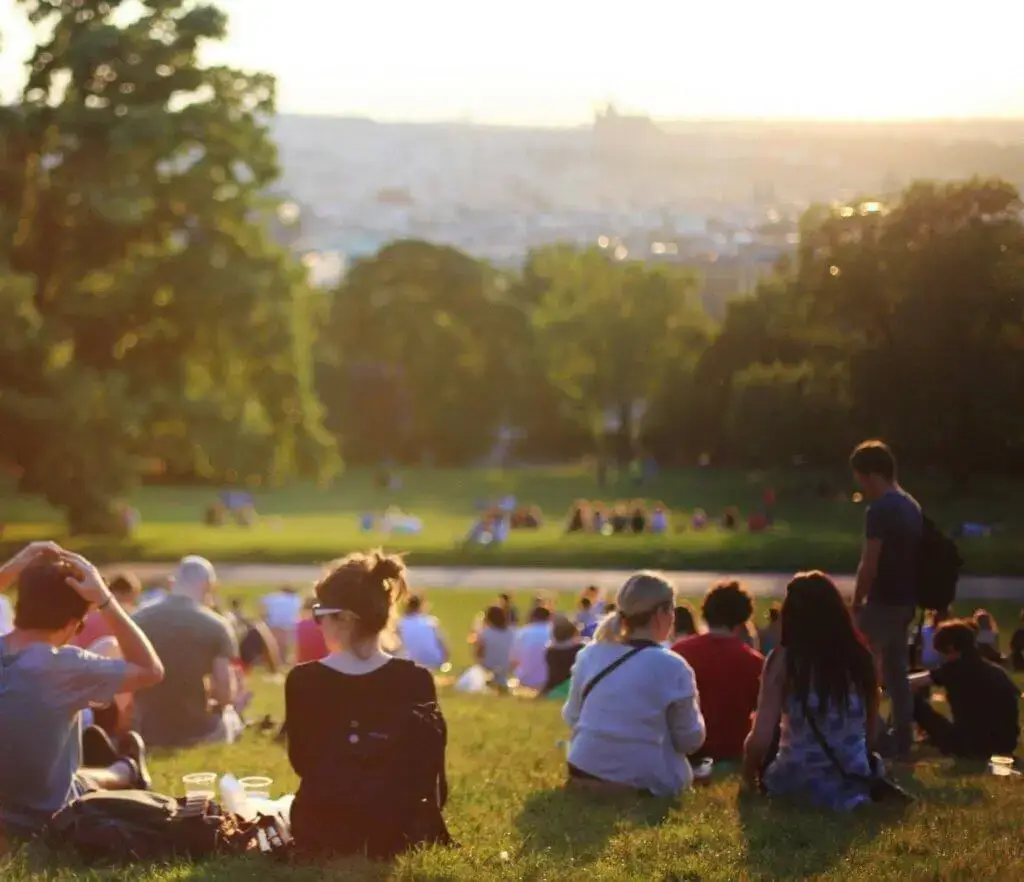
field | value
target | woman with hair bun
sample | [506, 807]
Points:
[633, 704]
[365, 734]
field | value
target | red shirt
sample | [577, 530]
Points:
[95, 628]
[309, 642]
[728, 678]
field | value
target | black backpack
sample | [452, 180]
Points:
[384, 790]
[135, 825]
[938, 568]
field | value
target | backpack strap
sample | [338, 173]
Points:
[832, 758]
[606, 671]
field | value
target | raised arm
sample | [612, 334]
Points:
[144, 668]
[32, 552]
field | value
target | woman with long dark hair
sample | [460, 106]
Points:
[820, 690]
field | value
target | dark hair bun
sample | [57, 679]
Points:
[388, 567]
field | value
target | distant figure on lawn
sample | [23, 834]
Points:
[127, 590]
[196, 645]
[819, 688]
[282, 611]
[728, 671]
[886, 590]
[420, 633]
[365, 734]
[768, 637]
[633, 705]
[987, 636]
[310, 644]
[492, 646]
[45, 684]
[561, 652]
[982, 697]
[529, 648]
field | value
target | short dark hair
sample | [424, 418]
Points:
[774, 613]
[496, 617]
[125, 586]
[564, 629]
[46, 602]
[956, 635]
[727, 605]
[586, 603]
[414, 604]
[874, 458]
[540, 614]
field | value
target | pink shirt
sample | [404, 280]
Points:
[96, 628]
[309, 642]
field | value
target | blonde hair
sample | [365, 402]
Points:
[638, 599]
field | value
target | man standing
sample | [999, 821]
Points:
[886, 589]
[196, 644]
[45, 684]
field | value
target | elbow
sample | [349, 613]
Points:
[153, 675]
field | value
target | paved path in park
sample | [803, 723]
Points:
[534, 579]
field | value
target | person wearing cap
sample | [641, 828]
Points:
[48, 760]
[197, 646]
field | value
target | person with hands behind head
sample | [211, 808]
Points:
[45, 683]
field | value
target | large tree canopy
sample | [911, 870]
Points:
[162, 320]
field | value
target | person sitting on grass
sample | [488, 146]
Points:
[982, 697]
[492, 646]
[684, 620]
[987, 636]
[1017, 646]
[728, 671]
[768, 636]
[127, 589]
[586, 619]
[370, 764]
[421, 636]
[45, 684]
[819, 688]
[529, 648]
[561, 652]
[197, 646]
[633, 705]
[309, 636]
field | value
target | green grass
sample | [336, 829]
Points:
[302, 524]
[514, 822]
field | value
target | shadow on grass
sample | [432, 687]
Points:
[790, 841]
[573, 825]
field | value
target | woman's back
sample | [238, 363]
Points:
[497, 649]
[368, 748]
[623, 732]
[802, 764]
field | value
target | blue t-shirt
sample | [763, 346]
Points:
[42, 691]
[895, 518]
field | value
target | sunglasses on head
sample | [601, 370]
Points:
[321, 612]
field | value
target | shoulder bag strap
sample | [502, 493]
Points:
[832, 758]
[604, 673]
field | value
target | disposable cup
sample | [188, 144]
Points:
[257, 787]
[200, 784]
[1001, 766]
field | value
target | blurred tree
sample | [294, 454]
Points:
[608, 332]
[423, 350]
[169, 324]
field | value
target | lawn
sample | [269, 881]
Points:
[301, 523]
[514, 822]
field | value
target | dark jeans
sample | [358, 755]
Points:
[886, 629]
[944, 733]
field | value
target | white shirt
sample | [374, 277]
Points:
[6, 616]
[640, 723]
[282, 610]
[528, 654]
[421, 640]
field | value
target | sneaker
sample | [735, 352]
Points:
[133, 748]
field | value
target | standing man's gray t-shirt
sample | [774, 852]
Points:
[42, 691]
[188, 638]
[895, 519]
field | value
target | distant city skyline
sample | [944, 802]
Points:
[551, 62]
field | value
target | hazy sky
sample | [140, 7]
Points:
[552, 61]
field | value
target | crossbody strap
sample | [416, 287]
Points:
[832, 758]
[606, 671]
